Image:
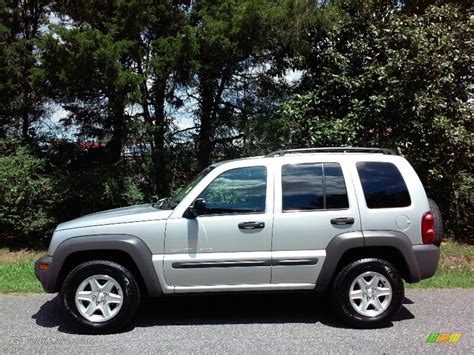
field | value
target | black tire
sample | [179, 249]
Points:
[128, 284]
[438, 222]
[340, 289]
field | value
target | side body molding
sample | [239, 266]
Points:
[346, 241]
[129, 244]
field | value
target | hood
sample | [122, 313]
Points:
[136, 213]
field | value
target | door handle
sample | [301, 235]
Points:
[251, 225]
[342, 220]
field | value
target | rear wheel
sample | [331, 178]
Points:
[102, 296]
[367, 293]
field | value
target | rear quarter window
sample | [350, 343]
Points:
[383, 185]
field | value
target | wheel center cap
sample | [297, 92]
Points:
[100, 297]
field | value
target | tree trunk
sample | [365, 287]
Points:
[115, 145]
[31, 13]
[206, 126]
[160, 168]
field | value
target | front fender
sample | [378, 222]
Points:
[131, 245]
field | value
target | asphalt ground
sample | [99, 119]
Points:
[250, 323]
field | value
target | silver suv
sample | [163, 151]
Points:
[351, 221]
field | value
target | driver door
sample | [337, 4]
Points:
[230, 242]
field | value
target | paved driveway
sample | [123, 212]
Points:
[290, 323]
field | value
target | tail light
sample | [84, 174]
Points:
[427, 228]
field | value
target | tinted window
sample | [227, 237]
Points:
[336, 194]
[241, 190]
[302, 186]
[313, 187]
[383, 185]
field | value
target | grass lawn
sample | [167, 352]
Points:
[456, 270]
[17, 271]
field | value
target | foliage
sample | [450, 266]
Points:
[234, 43]
[26, 193]
[22, 104]
[86, 183]
[459, 217]
[400, 81]
[164, 88]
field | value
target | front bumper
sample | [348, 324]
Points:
[427, 258]
[44, 276]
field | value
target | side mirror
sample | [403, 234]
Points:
[196, 209]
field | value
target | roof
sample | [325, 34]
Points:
[326, 150]
[323, 150]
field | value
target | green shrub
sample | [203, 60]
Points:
[26, 194]
[121, 190]
[88, 183]
[461, 210]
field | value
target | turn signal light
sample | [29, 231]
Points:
[43, 267]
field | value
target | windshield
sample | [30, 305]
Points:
[171, 203]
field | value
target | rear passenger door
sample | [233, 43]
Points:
[313, 203]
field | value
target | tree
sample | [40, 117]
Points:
[22, 103]
[384, 77]
[116, 69]
[232, 39]
[85, 68]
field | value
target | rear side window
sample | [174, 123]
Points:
[313, 187]
[383, 185]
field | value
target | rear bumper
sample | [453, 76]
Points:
[427, 259]
[44, 276]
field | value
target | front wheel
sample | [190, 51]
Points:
[102, 296]
[368, 293]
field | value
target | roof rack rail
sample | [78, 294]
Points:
[332, 150]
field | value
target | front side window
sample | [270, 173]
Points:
[181, 194]
[312, 186]
[241, 190]
[383, 185]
